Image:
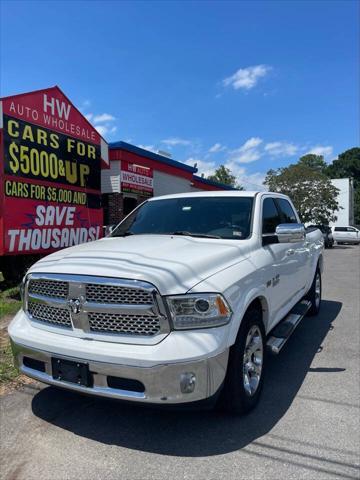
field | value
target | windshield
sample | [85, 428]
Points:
[213, 217]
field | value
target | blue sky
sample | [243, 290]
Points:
[253, 85]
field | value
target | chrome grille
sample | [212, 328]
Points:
[97, 305]
[116, 294]
[50, 315]
[49, 288]
[124, 324]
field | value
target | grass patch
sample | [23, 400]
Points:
[8, 371]
[10, 301]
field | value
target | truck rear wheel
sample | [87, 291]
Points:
[314, 294]
[245, 373]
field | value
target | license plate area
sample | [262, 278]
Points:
[72, 372]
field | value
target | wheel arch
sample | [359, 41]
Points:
[257, 301]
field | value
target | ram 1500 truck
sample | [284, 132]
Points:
[178, 305]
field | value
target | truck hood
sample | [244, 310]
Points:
[173, 264]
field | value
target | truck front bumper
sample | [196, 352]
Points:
[163, 382]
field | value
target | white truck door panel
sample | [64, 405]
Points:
[300, 250]
[285, 264]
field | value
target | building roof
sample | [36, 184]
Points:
[167, 161]
[151, 155]
[214, 184]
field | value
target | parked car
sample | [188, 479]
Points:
[327, 234]
[346, 234]
[177, 305]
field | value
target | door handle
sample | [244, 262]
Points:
[291, 251]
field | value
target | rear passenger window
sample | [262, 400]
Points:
[270, 216]
[340, 229]
[286, 211]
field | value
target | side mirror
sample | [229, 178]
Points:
[290, 232]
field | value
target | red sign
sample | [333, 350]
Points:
[50, 174]
[51, 109]
[136, 179]
[46, 226]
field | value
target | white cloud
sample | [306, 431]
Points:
[204, 167]
[105, 129]
[326, 151]
[250, 144]
[217, 147]
[173, 141]
[102, 129]
[254, 149]
[246, 78]
[150, 148]
[252, 181]
[102, 122]
[104, 117]
[248, 152]
[281, 149]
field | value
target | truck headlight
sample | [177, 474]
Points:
[198, 310]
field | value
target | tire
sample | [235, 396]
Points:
[240, 396]
[314, 294]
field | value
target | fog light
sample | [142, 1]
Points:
[187, 382]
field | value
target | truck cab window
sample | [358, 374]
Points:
[270, 216]
[286, 211]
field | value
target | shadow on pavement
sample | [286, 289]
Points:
[193, 434]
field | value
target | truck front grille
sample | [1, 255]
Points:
[96, 305]
[114, 294]
[49, 288]
[50, 315]
[126, 324]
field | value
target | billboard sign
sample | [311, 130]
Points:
[50, 174]
[136, 179]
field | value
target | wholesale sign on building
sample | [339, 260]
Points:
[136, 179]
[50, 174]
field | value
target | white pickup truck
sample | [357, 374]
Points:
[178, 305]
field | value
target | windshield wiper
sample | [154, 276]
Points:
[190, 234]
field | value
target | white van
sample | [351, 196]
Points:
[346, 235]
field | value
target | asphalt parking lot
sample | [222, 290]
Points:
[305, 427]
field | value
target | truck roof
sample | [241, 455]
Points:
[219, 193]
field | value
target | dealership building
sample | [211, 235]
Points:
[134, 174]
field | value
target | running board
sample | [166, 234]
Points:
[283, 331]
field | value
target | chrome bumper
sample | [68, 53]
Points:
[163, 384]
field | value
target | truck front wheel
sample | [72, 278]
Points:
[245, 373]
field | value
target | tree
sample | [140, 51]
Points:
[312, 192]
[315, 162]
[345, 166]
[224, 175]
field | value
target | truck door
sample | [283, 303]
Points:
[301, 249]
[281, 273]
